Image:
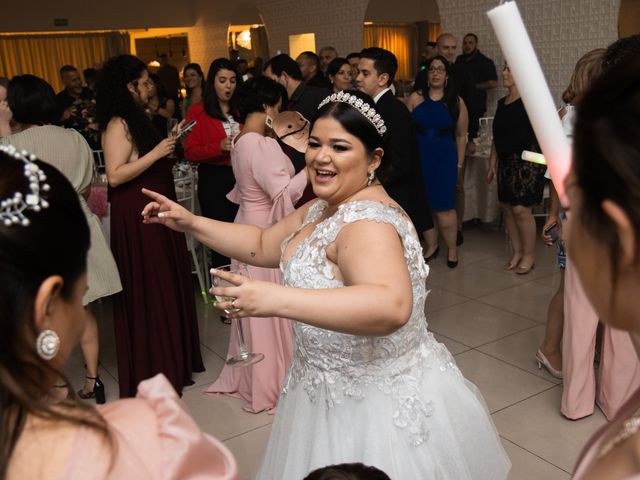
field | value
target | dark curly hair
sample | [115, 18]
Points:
[113, 99]
[25, 378]
[354, 122]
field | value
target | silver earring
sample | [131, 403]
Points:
[47, 344]
[268, 121]
[370, 177]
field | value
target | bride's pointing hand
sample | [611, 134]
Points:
[166, 212]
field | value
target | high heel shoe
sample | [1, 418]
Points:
[520, 270]
[433, 255]
[511, 265]
[97, 392]
[542, 361]
[452, 263]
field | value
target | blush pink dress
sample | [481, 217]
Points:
[154, 438]
[266, 189]
[619, 372]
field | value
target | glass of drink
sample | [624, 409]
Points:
[244, 357]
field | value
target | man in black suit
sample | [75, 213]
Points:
[377, 69]
[312, 75]
[302, 98]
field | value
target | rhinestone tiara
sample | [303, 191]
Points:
[364, 108]
[12, 210]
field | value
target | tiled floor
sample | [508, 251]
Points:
[491, 320]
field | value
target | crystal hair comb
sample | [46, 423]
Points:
[364, 108]
[12, 210]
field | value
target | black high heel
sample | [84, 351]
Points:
[97, 392]
[433, 255]
[451, 263]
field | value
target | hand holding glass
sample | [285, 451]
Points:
[244, 357]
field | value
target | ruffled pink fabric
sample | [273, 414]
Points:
[155, 439]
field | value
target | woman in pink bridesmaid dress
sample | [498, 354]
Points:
[603, 236]
[266, 189]
[43, 319]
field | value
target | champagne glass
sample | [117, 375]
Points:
[244, 357]
[172, 131]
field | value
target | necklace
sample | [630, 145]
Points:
[630, 426]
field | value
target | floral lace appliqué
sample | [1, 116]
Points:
[345, 366]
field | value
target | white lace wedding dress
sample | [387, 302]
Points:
[397, 402]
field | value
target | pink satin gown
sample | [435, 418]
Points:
[266, 190]
[619, 370]
[154, 438]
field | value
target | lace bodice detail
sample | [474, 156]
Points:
[343, 365]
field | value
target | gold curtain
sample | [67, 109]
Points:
[400, 39]
[435, 30]
[43, 55]
[259, 43]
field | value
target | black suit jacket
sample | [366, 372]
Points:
[404, 183]
[305, 100]
[466, 89]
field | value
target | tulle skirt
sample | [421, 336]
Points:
[462, 442]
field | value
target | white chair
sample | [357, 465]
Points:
[98, 158]
[185, 184]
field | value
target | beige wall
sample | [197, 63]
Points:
[403, 11]
[38, 15]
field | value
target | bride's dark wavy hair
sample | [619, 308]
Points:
[26, 261]
[354, 122]
[113, 99]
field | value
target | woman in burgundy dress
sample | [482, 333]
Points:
[155, 319]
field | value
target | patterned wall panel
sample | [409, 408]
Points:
[335, 22]
[561, 31]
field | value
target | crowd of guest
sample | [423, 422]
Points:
[248, 138]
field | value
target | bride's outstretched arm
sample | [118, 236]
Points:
[245, 243]
[377, 298]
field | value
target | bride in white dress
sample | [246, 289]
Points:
[368, 382]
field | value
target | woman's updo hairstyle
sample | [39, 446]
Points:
[257, 92]
[606, 158]
[354, 122]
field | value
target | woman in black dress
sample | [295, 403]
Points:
[520, 183]
[160, 106]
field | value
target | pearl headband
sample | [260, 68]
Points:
[364, 108]
[12, 210]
